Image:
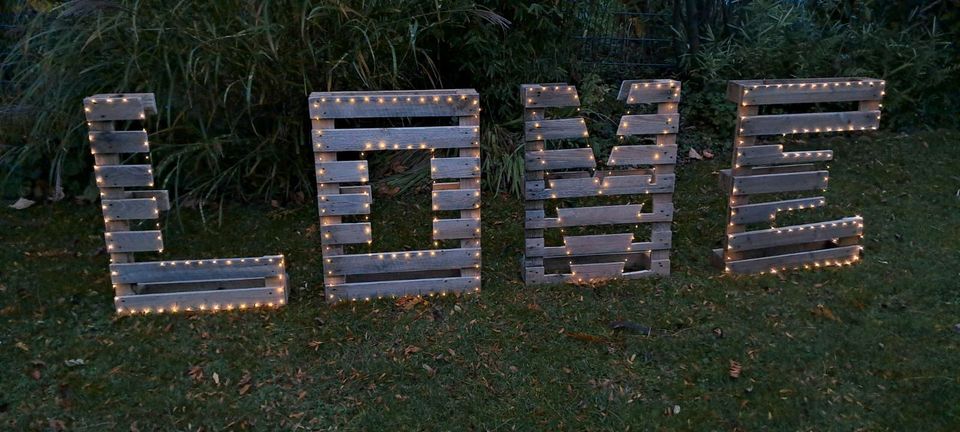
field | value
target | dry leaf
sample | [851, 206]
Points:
[708, 154]
[244, 389]
[429, 369]
[825, 312]
[692, 154]
[22, 203]
[735, 369]
[388, 190]
[22, 346]
[35, 374]
[411, 349]
[216, 378]
[195, 372]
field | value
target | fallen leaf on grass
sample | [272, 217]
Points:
[692, 154]
[735, 369]
[36, 374]
[825, 312]
[708, 154]
[411, 349]
[22, 346]
[407, 303]
[22, 203]
[244, 389]
[431, 371]
[216, 378]
[195, 372]
[586, 337]
[74, 362]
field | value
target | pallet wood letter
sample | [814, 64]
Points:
[646, 170]
[763, 168]
[161, 286]
[342, 190]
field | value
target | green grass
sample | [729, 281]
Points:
[884, 358]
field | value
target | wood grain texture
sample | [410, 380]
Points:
[761, 212]
[648, 124]
[271, 294]
[134, 241]
[449, 229]
[347, 233]
[455, 199]
[386, 104]
[113, 108]
[130, 209]
[816, 258]
[642, 155]
[407, 287]
[634, 92]
[774, 155]
[774, 183]
[809, 123]
[118, 142]
[124, 175]
[161, 196]
[399, 138]
[599, 186]
[557, 129]
[555, 95]
[189, 270]
[342, 172]
[805, 90]
[561, 159]
[344, 204]
[400, 262]
[454, 167]
[796, 234]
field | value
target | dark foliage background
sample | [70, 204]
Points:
[231, 76]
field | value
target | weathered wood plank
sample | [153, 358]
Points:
[133, 241]
[557, 129]
[102, 142]
[771, 92]
[448, 229]
[130, 209]
[161, 196]
[809, 123]
[773, 183]
[273, 294]
[414, 103]
[407, 287]
[549, 95]
[97, 108]
[597, 244]
[400, 262]
[342, 171]
[596, 186]
[594, 272]
[188, 270]
[774, 155]
[148, 100]
[344, 204]
[649, 91]
[648, 124]
[400, 138]
[347, 233]
[560, 159]
[844, 254]
[642, 155]
[124, 175]
[454, 167]
[456, 199]
[760, 212]
[796, 234]
[609, 215]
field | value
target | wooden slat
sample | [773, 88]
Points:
[133, 241]
[344, 204]
[400, 138]
[560, 159]
[181, 271]
[347, 233]
[342, 171]
[595, 271]
[648, 124]
[649, 91]
[399, 262]
[773, 183]
[118, 142]
[113, 108]
[557, 129]
[774, 155]
[124, 175]
[414, 103]
[597, 244]
[456, 199]
[761, 212]
[454, 167]
[796, 234]
[812, 258]
[549, 95]
[596, 186]
[642, 155]
[770, 93]
[408, 287]
[809, 123]
[161, 196]
[609, 215]
[447, 229]
[130, 209]
[148, 100]
[273, 294]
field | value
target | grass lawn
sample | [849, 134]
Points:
[873, 346]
